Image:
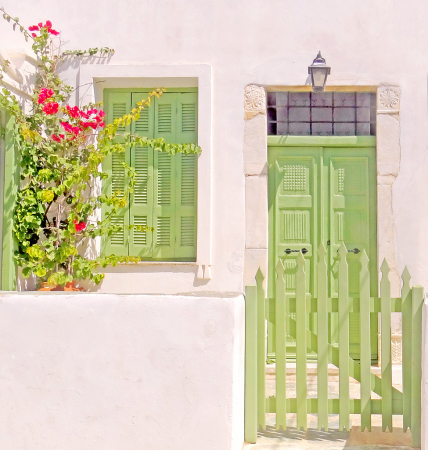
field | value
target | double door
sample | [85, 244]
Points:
[323, 195]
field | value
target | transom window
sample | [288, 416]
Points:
[321, 114]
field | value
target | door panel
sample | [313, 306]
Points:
[323, 195]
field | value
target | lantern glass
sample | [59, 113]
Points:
[319, 77]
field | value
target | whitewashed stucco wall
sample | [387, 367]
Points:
[267, 43]
[100, 371]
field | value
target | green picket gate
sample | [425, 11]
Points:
[392, 401]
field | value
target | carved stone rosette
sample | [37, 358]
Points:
[254, 101]
[388, 100]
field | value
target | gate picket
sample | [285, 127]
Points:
[343, 340]
[417, 302]
[386, 369]
[250, 425]
[301, 375]
[406, 340]
[261, 351]
[365, 346]
[281, 349]
[322, 355]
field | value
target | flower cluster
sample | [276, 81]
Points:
[44, 95]
[79, 226]
[40, 26]
[57, 138]
[51, 108]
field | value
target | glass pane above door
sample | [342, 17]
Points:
[321, 114]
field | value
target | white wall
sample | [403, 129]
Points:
[92, 371]
[366, 42]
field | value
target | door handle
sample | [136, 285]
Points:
[288, 251]
[354, 250]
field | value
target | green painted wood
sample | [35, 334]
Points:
[386, 369]
[165, 196]
[343, 340]
[322, 141]
[365, 353]
[261, 351]
[186, 178]
[323, 195]
[417, 302]
[250, 425]
[301, 373]
[322, 350]
[334, 406]
[141, 201]
[9, 191]
[352, 220]
[281, 336]
[165, 180]
[117, 104]
[354, 366]
[406, 325]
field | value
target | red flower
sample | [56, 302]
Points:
[84, 115]
[34, 28]
[102, 113]
[57, 138]
[44, 95]
[52, 31]
[73, 112]
[79, 226]
[102, 124]
[51, 108]
[40, 25]
[48, 24]
[34, 35]
[66, 126]
[70, 129]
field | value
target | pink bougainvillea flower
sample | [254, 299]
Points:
[34, 28]
[102, 113]
[51, 108]
[54, 32]
[45, 94]
[48, 24]
[34, 35]
[102, 124]
[57, 138]
[68, 127]
[84, 115]
[40, 24]
[79, 226]
[73, 112]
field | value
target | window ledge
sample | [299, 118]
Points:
[161, 263]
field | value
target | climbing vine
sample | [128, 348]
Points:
[62, 148]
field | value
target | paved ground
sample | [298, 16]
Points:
[272, 439]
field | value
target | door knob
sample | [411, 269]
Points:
[354, 250]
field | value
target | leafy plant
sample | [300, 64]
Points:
[61, 149]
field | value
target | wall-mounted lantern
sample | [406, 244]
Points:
[318, 71]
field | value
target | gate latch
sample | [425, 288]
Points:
[288, 251]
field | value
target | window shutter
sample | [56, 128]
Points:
[186, 178]
[164, 169]
[118, 104]
[141, 202]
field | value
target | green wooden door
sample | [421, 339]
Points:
[322, 194]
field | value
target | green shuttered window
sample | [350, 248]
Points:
[165, 194]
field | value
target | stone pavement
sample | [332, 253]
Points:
[272, 439]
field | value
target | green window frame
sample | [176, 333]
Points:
[165, 196]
